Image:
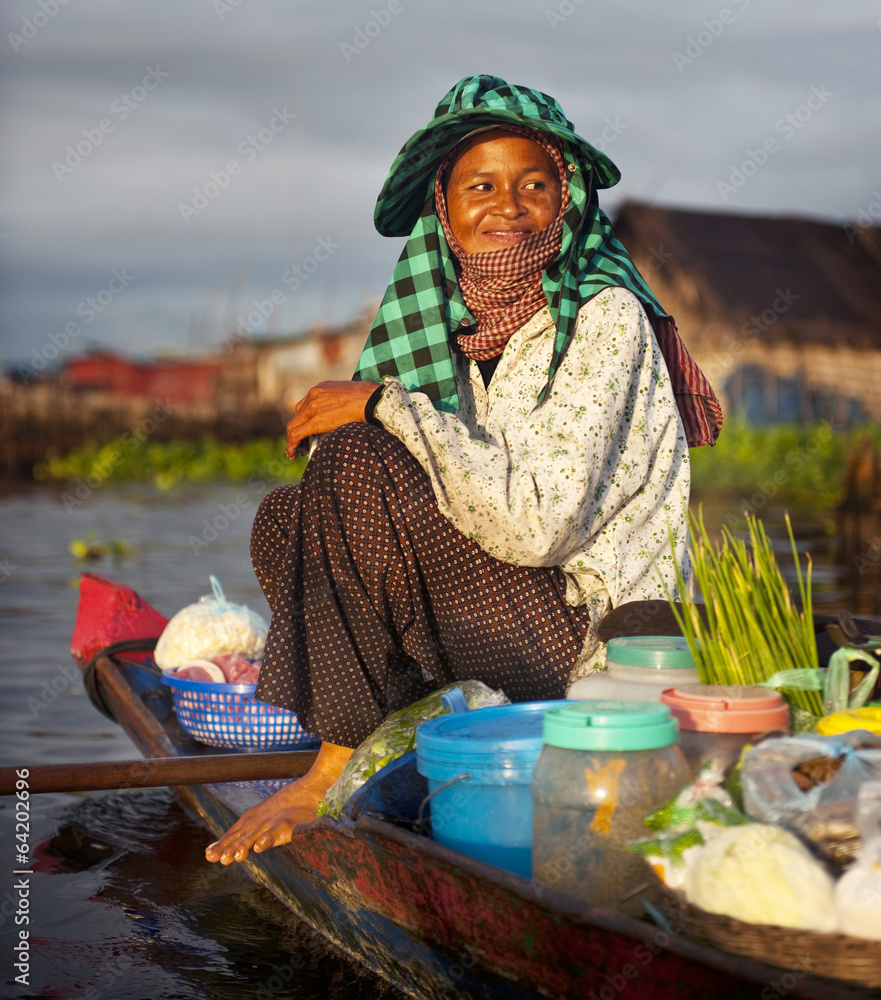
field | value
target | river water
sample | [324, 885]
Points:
[122, 905]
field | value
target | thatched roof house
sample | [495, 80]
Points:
[783, 315]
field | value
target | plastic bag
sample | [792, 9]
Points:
[762, 874]
[836, 689]
[396, 736]
[209, 628]
[821, 805]
[858, 893]
[685, 824]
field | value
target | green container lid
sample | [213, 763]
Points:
[654, 651]
[610, 725]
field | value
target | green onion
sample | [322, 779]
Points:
[752, 629]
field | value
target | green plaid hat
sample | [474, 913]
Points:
[423, 307]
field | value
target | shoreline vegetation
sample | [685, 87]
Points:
[785, 463]
[805, 465]
[173, 463]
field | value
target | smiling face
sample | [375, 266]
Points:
[502, 189]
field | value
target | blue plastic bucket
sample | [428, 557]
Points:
[488, 814]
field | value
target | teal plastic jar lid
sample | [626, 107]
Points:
[610, 725]
[654, 651]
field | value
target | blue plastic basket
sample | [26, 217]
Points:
[228, 715]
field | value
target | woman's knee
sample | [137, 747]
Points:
[348, 456]
[339, 442]
[277, 510]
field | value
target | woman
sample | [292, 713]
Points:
[510, 461]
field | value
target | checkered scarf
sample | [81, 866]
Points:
[503, 288]
[424, 308]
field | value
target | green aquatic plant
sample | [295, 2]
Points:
[777, 464]
[788, 464]
[90, 548]
[749, 630]
[168, 464]
[86, 549]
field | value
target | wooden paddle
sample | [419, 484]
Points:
[157, 771]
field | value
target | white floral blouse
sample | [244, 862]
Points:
[594, 481]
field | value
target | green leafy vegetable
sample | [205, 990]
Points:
[751, 628]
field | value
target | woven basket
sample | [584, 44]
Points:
[229, 716]
[831, 956]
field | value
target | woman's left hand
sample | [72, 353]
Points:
[327, 406]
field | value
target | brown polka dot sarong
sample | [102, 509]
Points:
[377, 599]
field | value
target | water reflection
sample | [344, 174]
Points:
[854, 586]
[124, 905]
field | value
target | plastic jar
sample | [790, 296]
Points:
[716, 721]
[603, 767]
[868, 717]
[479, 765]
[639, 668]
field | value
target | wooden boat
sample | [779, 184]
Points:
[434, 922]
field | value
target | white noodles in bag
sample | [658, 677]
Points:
[209, 628]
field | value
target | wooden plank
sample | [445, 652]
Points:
[158, 771]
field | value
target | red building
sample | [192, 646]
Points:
[182, 381]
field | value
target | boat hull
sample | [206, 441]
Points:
[436, 923]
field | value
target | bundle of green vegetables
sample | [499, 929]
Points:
[396, 736]
[749, 630]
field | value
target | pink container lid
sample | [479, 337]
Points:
[724, 708]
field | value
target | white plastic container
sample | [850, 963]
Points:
[640, 668]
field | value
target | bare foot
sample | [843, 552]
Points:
[271, 822]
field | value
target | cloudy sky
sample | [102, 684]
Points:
[166, 164]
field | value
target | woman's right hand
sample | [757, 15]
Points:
[325, 407]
